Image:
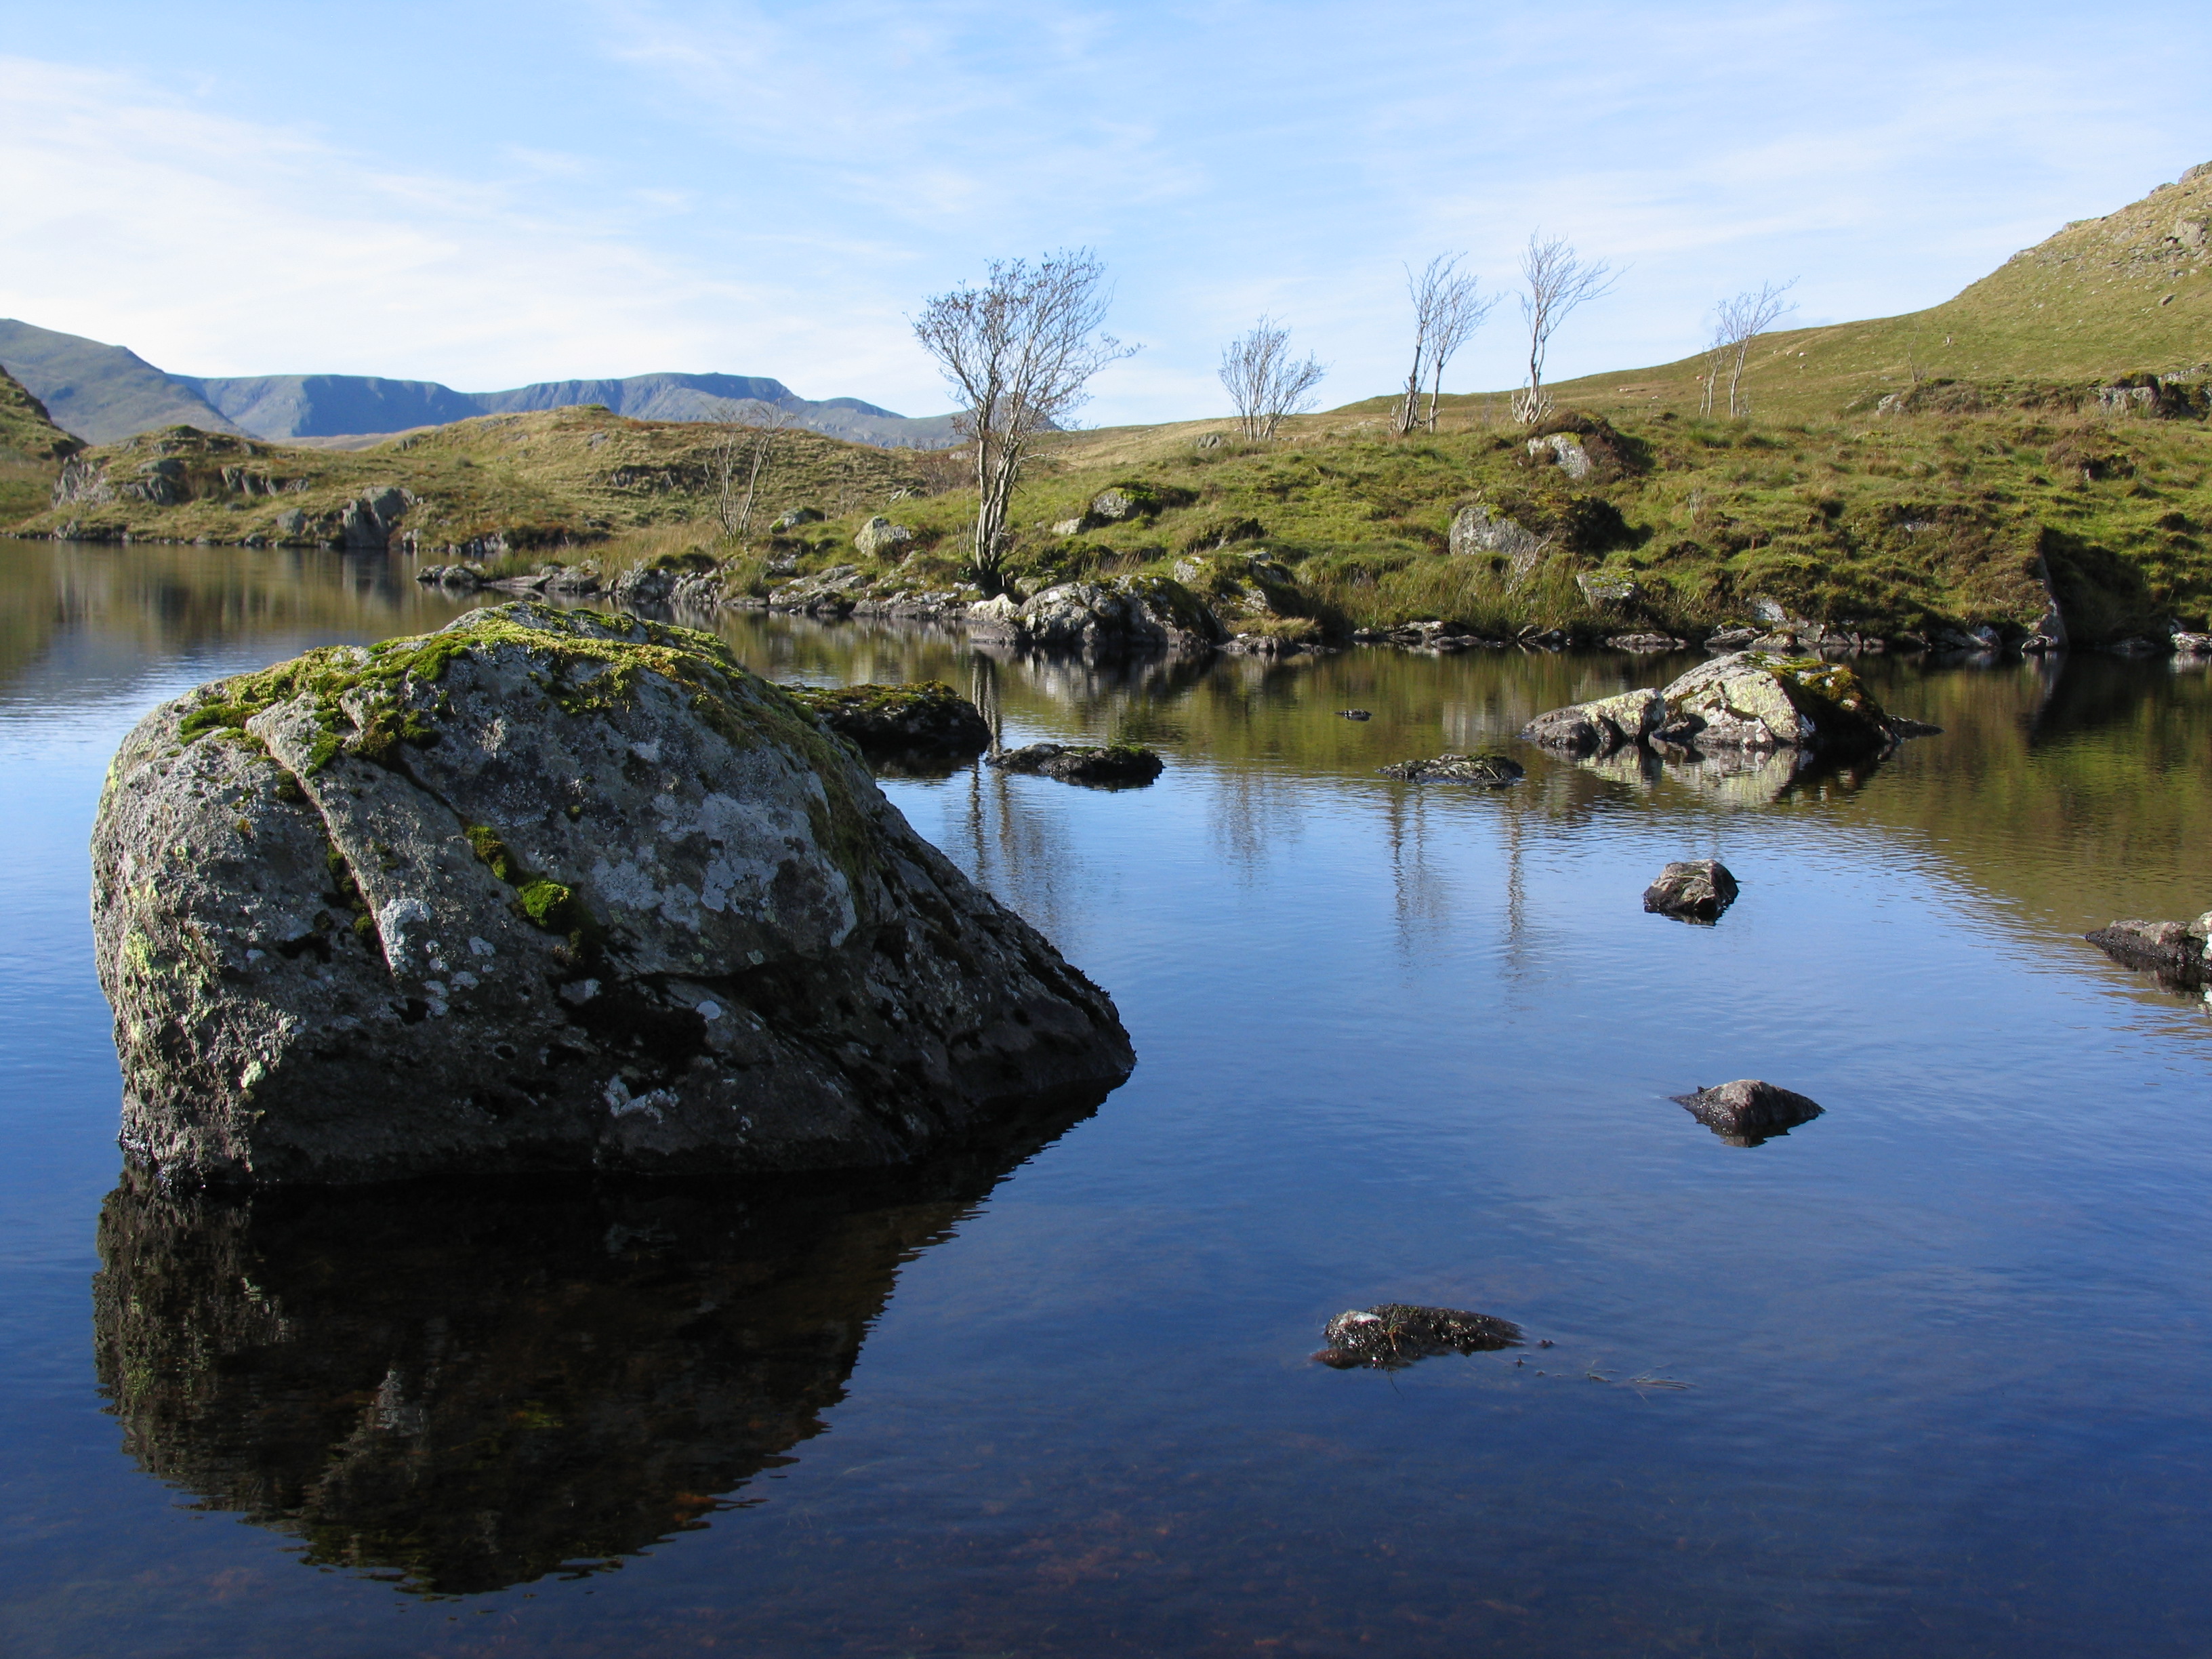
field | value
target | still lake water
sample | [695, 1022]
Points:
[1927, 1375]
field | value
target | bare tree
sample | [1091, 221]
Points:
[1265, 383]
[1445, 313]
[1460, 314]
[743, 455]
[1556, 280]
[1737, 323]
[1019, 351]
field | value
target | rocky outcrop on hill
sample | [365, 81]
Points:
[1748, 702]
[547, 890]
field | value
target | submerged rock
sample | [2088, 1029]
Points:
[1116, 765]
[1748, 1111]
[1392, 1336]
[2179, 953]
[1692, 890]
[547, 890]
[926, 718]
[1495, 770]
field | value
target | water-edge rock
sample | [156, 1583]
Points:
[1645, 644]
[1394, 1335]
[2179, 953]
[1692, 890]
[548, 890]
[1494, 771]
[1133, 615]
[1748, 1111]
[1111, 766]
[1354, 714]
[1600, 726]
[927, 717]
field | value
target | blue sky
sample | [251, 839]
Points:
[488, 193]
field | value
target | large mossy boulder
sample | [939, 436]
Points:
[548, 890]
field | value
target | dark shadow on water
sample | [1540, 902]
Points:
[460, 1386]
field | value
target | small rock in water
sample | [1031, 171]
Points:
[1748, 1111]
[1494, 770]
[1392, 1336]
[1354, 714]
[1118, 765]
[1692, 890]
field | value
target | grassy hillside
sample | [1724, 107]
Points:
[2126, 295]
[567, 476]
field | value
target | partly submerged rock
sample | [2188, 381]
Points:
[1692, 890]
[1354, 714]
[1494, 770]
[2179, 953]
[1748, 1111]
[926, 718]
[547, 890]
[1601, 727]
[1392, 1336]
[1749, 702]
[1116, 765]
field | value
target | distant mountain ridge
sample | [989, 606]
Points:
[105, 393]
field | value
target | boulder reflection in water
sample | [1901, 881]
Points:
[465, 1387]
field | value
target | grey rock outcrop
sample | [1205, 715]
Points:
[792, 519]
[879, 539]
[1475, 531]
[369, 521]
[1692, 890]
[1748, 1111]
[1565, 450]
[547, 890]
[1394, 1335]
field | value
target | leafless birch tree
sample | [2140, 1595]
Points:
[1737, 323]
[1446, 312]
[1019, 352]
[1264, 382]
[1556, 280]
[743, 455]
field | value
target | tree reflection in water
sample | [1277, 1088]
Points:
[461, 1387]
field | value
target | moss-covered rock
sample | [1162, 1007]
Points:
[547, 889]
